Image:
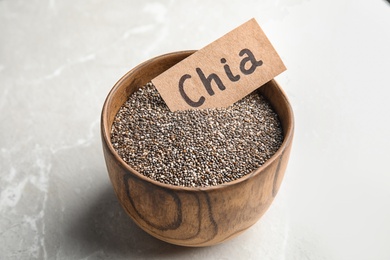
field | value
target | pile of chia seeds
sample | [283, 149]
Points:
[195, 148]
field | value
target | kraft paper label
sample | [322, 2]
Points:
[223, 72]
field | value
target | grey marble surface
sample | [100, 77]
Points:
[59, 59]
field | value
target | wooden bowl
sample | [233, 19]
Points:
[193, 216]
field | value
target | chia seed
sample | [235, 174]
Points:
[195, 148]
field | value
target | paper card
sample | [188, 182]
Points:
[221, 73]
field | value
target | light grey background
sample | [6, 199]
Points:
[60, 58]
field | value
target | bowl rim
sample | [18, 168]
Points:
[106, 136]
